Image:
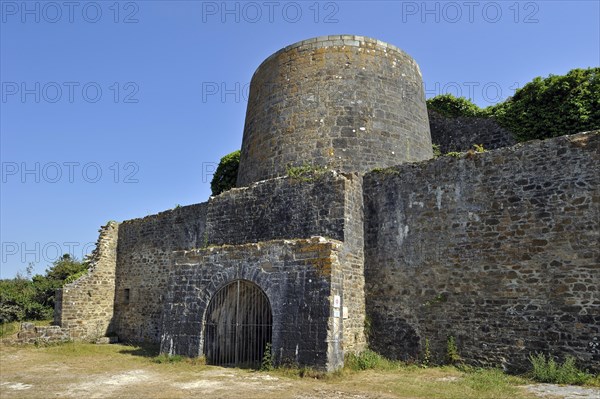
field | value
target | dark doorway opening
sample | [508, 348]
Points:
[238, 326]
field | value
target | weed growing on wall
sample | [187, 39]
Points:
[306, 172]
[267, 359]
[426, 354]
[452, 355]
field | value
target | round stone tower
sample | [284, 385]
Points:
[346, 102]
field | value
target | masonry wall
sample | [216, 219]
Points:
[85, 307]
[459, 134]
[500, 250]
[144, 257]
[300, 278]
[352, 263]
[350, 103]
[279, 208]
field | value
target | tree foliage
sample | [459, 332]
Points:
[553, 106]
[543, 108]
[452, 107]
[32, 298]
[226, 174]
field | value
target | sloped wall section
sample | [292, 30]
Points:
[85, 306]
[500, 250]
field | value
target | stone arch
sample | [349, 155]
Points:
[238, 325]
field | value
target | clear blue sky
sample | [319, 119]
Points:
[109, 110]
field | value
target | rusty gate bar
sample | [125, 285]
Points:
[237, 326]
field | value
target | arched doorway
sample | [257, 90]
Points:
[238, 325]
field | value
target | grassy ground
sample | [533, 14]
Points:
[76, 370]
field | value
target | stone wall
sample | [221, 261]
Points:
[500, 250]
[275, 209]
[350, 103]
[278, 208]
[144, 257]
[299, 277]
[32, 334]
[352, 262]
[459, 134]
[85, 306]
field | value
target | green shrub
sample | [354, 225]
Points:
[225, 176]
[32, 298]
[548, 370]
[452, 107]
[543, 108]
[553, 106]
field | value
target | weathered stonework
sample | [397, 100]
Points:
[499, 250]
[86, 306]
[300, 278]
[32, 334]
[144, 257]
[350, 103]
[461, 133]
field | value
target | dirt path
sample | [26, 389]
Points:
[563, 392]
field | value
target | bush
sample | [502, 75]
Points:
[553, 106]
[547, 370]
[452, 107]
[543, 108]
[225, 176]
[32, 298]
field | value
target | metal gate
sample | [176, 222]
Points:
[238, 325]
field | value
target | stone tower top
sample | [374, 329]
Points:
[350, 103]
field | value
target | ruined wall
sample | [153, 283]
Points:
[279, 208]
[300, 278]
[307, 329]
[32, 334]
[350, 103]
[500, 250]
[459, 134]
[85, 306]
[144, 256]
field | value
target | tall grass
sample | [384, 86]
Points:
[546, 369]
[369, 360]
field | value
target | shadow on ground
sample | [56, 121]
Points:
[141, 350]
